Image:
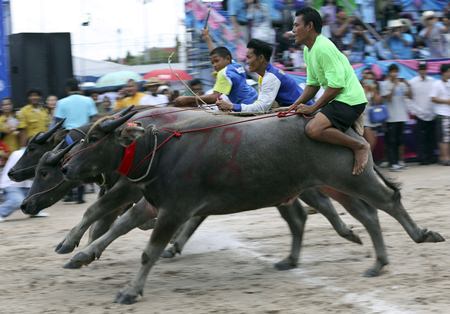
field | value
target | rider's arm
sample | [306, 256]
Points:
[329, 94]
[308, 93]
[269, 89]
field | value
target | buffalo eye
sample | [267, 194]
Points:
[44, 174]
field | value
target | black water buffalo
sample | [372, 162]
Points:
[208, 164]
[49, 186]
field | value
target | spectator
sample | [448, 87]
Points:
[366, 10]
[8, 126]
[129, 96]
[33, 118]
[372, 91]
[196, 87]
[14, 192]
[258, 15]
[422, 108]
[78, 110]
[399, 42]
[395, 90]
[440, 96]
[105, 107]
[328, 10]
[391, 11]
[152, 98]
[340, 30]
[164, 90]
[50, 104]
[433, 34]
[4, 153]
[75, 108]
[237, 11]
[360, 39]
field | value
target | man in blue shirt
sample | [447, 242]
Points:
[274, 84]
[399, 42]
[77, 110]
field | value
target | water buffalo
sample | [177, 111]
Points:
[208, 164]
[37, 146]
[49, 186]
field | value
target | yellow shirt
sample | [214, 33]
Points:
[33, 120]
[11, 139]
[129, 101]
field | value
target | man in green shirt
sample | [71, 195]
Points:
[344, 99]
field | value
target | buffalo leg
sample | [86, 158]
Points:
[140, 213]
[166, 226]
[118, 197]
[183, 236]
[295, 216]
[368, 217]
[101, 226]
[317, 200]
[382, 195]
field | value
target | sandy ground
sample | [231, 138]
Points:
[227, 267]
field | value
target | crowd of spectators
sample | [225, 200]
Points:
[396, 34]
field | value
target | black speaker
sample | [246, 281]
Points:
[39, 60]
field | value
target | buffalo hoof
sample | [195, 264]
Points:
[431, 236]
[353, 237]
[127, 296]
[375, 271]
[169, 253]
[64, 248]
[80, 259]
[285, 264]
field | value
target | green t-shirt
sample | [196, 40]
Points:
[326, 66]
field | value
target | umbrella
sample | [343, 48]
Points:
[115, 79]
[168, 75]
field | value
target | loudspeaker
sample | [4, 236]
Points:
[39, 60]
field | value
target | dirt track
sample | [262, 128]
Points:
[227, 267]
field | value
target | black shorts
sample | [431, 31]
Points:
[341, 115]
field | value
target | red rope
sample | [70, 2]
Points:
[178, 133]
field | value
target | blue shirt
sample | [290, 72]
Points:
[274, 85]
[232, 82]
[400, 50]
[76, 109]
[238, 9]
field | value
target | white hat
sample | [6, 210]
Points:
[394, 23]
[162, 88]
[426, 15]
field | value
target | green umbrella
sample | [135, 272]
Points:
[116, 79]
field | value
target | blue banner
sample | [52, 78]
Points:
[4, 64]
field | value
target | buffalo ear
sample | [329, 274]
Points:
[129, 134]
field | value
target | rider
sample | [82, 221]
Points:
[230, 81]
[343, 100]
[274, 84]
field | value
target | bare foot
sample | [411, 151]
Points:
[361, 157]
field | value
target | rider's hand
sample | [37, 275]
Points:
[292, 107]
[224, 105]
[302, 108]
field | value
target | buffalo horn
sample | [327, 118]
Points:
[110, 125]
[43, 137]
[56, 155]
[123, 112]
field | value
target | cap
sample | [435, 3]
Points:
[426, 15]
[394, 23]
[422, 65]
[152, 82]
